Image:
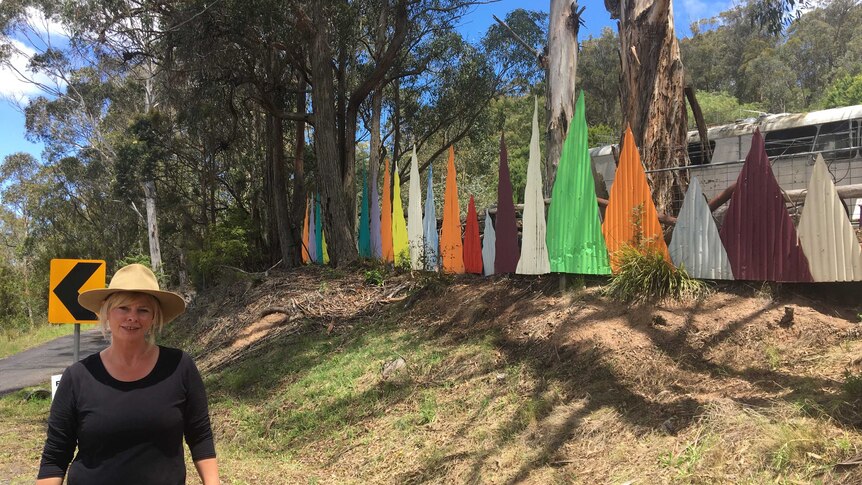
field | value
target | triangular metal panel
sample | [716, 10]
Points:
[506, 224]
[400, 247]
[364, 239]
[305, 257]
[629, 192]
[386, 218]
[534, 252]
[825, 232]
[696, 244]
[472, 243]
[374, 210]
[312, 232]
[430, 253]
[489, 243]
[757, 232]
[318, 230]
[451, 251]
[575, 240]
[414, 214]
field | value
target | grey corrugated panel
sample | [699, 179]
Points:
[696, 244]
[489, 246]
[757, 232]
[825, 232]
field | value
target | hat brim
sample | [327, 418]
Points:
[172, 304]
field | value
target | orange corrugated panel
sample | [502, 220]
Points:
[629, 192]
[386, 219]
[305, 257]
[450, 239]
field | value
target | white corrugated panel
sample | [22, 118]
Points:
[489, 243]
[825, 232]
[696, 244]
[534, 252]
[414, 216]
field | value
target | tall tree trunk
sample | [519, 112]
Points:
[652, 93]
[279, 189]
[149, 186]
[562, 70]
[153, 225]
[337, 223]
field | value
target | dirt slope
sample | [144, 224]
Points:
[509, 381]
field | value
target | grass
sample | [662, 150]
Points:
[21, 436]
[14, 341]
[645, 275]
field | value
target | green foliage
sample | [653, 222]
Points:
[226, 245]
[720, 108]
[845, 91]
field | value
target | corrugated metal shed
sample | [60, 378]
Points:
[472, 243]
[400, 246]
[575, 240]
[757, 233]
[630, 193]
[534, 253]
[696, 244]
[451, 252]
[489, 242]
[825, 232]
[506, 225]
[386, 218]
[364, 239]
[429, 226]
[414, 214]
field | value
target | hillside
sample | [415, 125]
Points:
[507, 381]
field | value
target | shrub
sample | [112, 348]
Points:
[644, 274]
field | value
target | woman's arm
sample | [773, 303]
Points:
[51, 481]
[208, 470]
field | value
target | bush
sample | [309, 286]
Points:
[644, 274]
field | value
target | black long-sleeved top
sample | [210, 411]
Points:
[127, 432]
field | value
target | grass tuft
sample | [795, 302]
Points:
[644, 275]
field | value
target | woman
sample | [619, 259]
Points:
[128, 407]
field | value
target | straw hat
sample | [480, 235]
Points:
[140, 279]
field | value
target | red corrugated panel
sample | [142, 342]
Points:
[758, 233]
[472, 243]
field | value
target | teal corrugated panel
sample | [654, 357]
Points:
[575, 241]
[696, 244]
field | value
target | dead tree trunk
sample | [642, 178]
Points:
[149, 185]
[651, 91]
[562, 66]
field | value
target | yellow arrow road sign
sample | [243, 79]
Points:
[69, 277]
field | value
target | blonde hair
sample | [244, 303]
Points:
[121, 298]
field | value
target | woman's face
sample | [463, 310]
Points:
[131, 320]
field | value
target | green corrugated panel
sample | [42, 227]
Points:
[575, 240]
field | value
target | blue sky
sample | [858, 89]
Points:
[15, 93]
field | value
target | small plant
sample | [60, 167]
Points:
[773, 357]
[644, 274]
[374, 277]
[852, 386]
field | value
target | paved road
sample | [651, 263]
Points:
[35, 366]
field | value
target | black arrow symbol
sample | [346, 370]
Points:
[67, 290]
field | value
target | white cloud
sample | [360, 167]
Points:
[44, 26]
[16, 82]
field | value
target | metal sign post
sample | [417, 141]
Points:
[76, 356]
